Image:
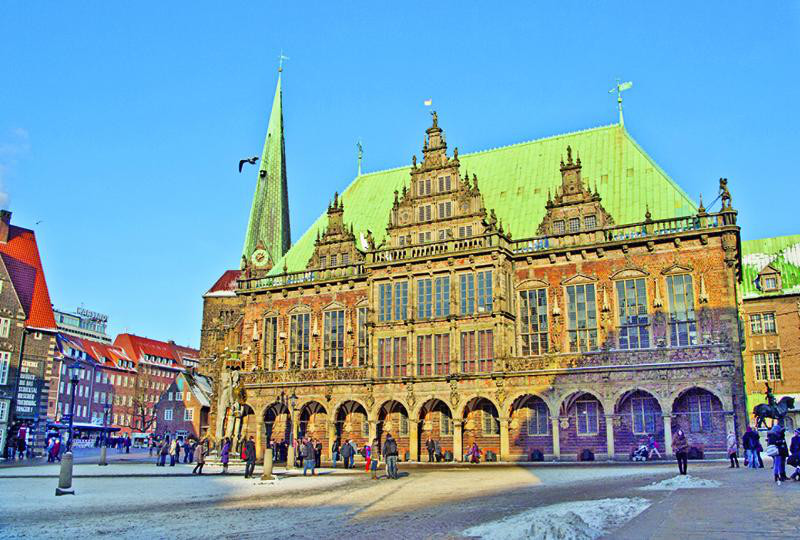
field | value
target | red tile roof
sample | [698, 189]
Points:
[112, 354]
[137, 346]
[21, 257]
[226, 282]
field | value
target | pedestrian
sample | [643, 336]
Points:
[318, 452]
[178, 446]
[347, 454]
[57, 449]
[163, 452]
[335, 451]
[127, 444]
[749, 444]
[437, 451]
[733, 449]
[431, 447]
[652, 447]
[474, 453]
[681, 447]
[368, 457]
[375, 453]
[225, 453]
[309, 462]
[50, 444]
[173, 450]
[794, 454]
[201, 458]
[191, 447]
[250, 457]
[778, 451]
[390, 456]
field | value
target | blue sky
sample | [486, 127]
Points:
[121, 124]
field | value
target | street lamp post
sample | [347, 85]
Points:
[65, 475]
[104, 444]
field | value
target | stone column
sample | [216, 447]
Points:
[260, 431]
[610, 435]
[458, 450]
[331, 427]
[667, 434]
[373, 430]
[505, 447]
[413, 439]
[556, 437]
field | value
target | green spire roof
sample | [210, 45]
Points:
[514, 180]
[269, 216]
[782, 253]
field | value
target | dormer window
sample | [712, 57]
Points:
[770, 283]
[769, 279]
[574, 225]
[558, 227]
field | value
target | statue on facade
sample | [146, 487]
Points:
[724, 194]
[226, 399]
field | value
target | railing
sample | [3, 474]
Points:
[431, 249]
[644, 229]
[305, 276]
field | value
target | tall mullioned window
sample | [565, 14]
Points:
[442, 296]
[385, 302]
[392, 357]
[424, 298]
[533, 322]
[587, 417]
[634, 323]
[401, 300]
[270, 342]
[477, 351]
[682, 320]
[425, 355]
[581, 318]
[768, 366]
[538, 418]
[467, 300]
[762, 323]
[299, 340]
[485, 291]
[333, 338]
[644, 411]
[363, 336]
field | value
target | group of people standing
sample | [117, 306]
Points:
[172, 449]
[781, 453]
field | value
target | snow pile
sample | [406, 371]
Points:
[681, 482]
[579, 520]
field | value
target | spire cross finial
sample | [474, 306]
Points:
[619, 88]
[360, 155]
[281, 58]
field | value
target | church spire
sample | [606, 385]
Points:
[269, 215]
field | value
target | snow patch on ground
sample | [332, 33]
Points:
[681, 482]
[579, 520]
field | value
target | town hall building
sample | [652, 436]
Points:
[560, 298]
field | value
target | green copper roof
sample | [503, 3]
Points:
[782, 253]
[514, 181]
[269, 216]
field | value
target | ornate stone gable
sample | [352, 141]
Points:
[575, 210]
[439, 205]
[337, 245]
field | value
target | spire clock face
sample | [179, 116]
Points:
[260, 258]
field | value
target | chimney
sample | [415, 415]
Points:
[5, 223]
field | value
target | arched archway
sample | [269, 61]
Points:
[699, 413]
[351, 423]
[435, 425]
[277, 428]
[640, 416]
[481, 426]
[530, 428]
[393, 418]
[312, 421]
[582, 424]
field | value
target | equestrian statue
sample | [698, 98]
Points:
[772, 409]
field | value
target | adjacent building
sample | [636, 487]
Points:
[27, 337]
[83, 323]
[771, 320]
[183, 410]
[409, 308]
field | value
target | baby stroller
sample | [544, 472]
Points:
[640, 454]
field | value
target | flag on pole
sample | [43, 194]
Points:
[625, 85]
[428, 102]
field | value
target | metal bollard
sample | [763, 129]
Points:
[267, 474]
[65, 476]
[103, 456]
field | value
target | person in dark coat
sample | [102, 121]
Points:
[390, 453]
[163, 453]
[335, 451]
[794, 455]
[776, 437]
[225, 454]
[750, 443]
[347, 454]
[249, 457]
[431, 447]
[318, 453]
[681, 447]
